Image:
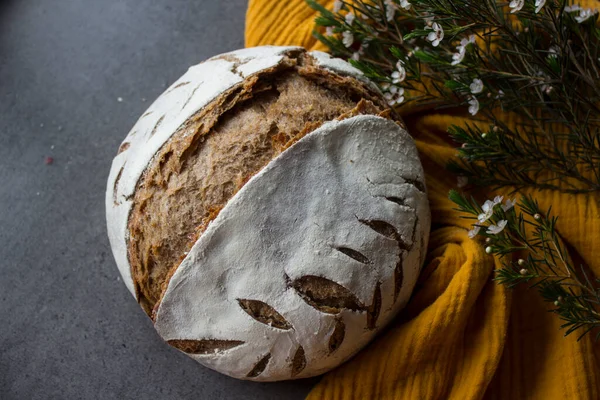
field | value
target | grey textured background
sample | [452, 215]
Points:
[68, 327]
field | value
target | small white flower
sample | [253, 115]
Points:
[390, 10]
[462, 181]
[473, 232]
[488, 208]
[500, 94]
[496, 229]
[329, 31]
[337, 6]
[459, 56]
[347, 38]
[465, 42]
[394, 95]
[361, 50]
[437, 35]
[538, 5]
[476, 86]
[516, 5]
[405, 4]
[585, 14]
[545, 86]
[350, 18]
[509, 204]
[473, 105]
[400, 74]
[553, 52]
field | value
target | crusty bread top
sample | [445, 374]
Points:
[266, 215]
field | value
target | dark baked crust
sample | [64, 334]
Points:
[215, 153]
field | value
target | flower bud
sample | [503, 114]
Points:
[521, 262]
[523, 272]
[537, 217]
[489, 250]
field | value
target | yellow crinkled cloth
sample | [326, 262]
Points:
[462, 336]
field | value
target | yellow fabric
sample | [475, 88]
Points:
[462, 336]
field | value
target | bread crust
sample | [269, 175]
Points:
[269, 213]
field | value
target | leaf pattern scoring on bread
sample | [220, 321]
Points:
[325, 295]
[337, 336]
[259, 367]
[204, 346]
[264, 313]
[299, 361]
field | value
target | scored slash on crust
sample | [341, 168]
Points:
[259, 367]
[124, 146]
[264, 313]
[331, 298]
[160, 120]
[299, 361]
[204, 346]
[116, 186]
[337, 336]
[356, 255]
[325, 295]
[178, 86]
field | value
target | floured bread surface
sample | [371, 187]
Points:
[315, 254]
[262, 208]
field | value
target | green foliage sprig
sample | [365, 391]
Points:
[539, 59]
[541, 259]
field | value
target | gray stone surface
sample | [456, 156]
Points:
[69, 329]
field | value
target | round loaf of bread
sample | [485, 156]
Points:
[269, 213]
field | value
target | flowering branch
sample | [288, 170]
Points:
[542, 260]
[539, 59]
